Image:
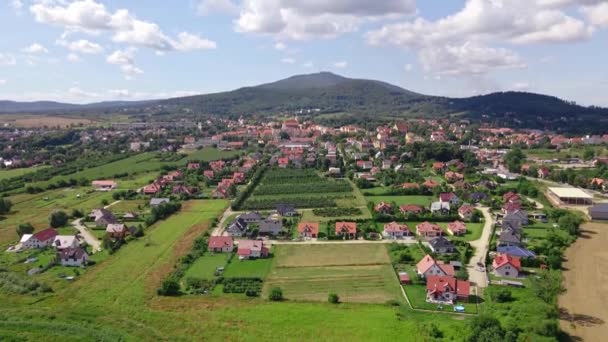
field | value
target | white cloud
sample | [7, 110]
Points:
[299, 20]
[35, 48]
[89, 16]
[2, 82]
[7, 60]
[288, 60]
[477, 24]
[340, 64]
[408, 67]
[190, 42]
[72, 57]
[206, 7]
[79, 93]
[280, 46]
[16, 4]
[124, 59]
[520, 86]
[597, 14]
[82, 46]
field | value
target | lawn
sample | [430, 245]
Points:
[424, 201]
[116, 300]
[257, 268]
[308, 215]
[417, 296]
[210, 153]
[205, 266]
[10, 173]
[357, 273]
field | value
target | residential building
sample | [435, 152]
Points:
[220, 244]
[347, 230]
[505, 265]
[76, 257]
[394, 230]
[446, 290]
[441, 245]
[65, 241]
[427, 267]
[457, 228]
[428, 230]
[252, 249]
[237, 228]
[40, 239]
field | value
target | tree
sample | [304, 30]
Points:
[570, 223]
[333, 298]
[58, 219]
[430, 332]
[5, 206]
[169, 287]
[77, 213]
[514, 159]
[547, 285]
[276, 294]
[25, 228]
[502, 295]
[485, 328]
[588, 154]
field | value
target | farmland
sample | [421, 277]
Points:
[424, 201]
[6, 174]
[301, 188]
[359, 273]
[113, 302]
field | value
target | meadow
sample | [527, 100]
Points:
[10, 173]
[116, 300]
[424, 201]
[357, 273]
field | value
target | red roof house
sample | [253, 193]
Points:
[308, 229]
[346, 229]
[427, 266]
[428, 229]
[505, 265]
[446, 289]
[221, 244]
[457, 228]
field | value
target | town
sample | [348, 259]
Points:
[437, 217]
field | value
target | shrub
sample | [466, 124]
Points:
[333, 298]
[169, 287]
[502, 295]
[58, 219]
[276, 294]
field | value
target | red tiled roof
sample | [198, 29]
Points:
[311, 227]
[349, 227]
[442, 284]
[220, 242]
[46, 234]
[396, 227]
[503, 259]
[411, 208]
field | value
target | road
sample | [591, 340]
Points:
[342, 242]
[90, 239]
[539, 205]
[481, 246]
[219, 230]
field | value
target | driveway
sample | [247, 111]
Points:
[481, 246]
[219, 230]
[90, 239]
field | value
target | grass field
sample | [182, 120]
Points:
[36, 121]
[257, 268]
[205, 266]
[116, 300]
[10, 173]
[424, 201]
[357, 273]
[209, 153]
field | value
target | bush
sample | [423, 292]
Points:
[58, 219]
[276, 294]
[333, 298]
[502, 295]
[169, 287]
[25, 228]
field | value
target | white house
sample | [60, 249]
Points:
[40, 239]
[73, 257]
[65, 241]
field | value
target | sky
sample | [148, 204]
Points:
[85, 51]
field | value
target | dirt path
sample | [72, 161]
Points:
[219, 230]
[86, 233]
[481, 246]
[584, 307]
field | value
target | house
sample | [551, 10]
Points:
[104, 185]
[102, 217]
[308, 229]
[181, 189]
[238, 227]
[364, 165]
[505, 265]
[383, 208]
[404, 278]
[430, 184]
[466, 211]
[509, 238]
[394, 230]
[117, 230]
[427, 267]
[428, 230]
[172, 176]
[283, 162]
[347, 230]
[208, 174]
[440, 208]
[40, 239]
[511, 197]
[220, 244]
[286, 210]
[519, 216]
[65, 241]
[129, 216]
[410, 186]
[270, 227]
[152, 189]
[251, 249]
[516, 251]
[446, 290]
[77, 257]
[411, 209]
[449, 197]
[543, 172]
[155, 202]
[452, 177]
[251, 217]
[439, 166]
[441, 245]
[193, 166]
[477, 197]
[457, 228]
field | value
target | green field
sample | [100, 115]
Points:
[10, 173]
[116, 300]
[257, 268]
[357, 273]
[209, 153]
[424, 201]
[205, 266]
[474, 230]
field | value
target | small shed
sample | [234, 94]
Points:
[404, 278]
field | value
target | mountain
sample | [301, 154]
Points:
[359, 99]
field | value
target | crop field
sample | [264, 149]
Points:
[303, 188]
[116, 300]
[209, 153]
[36, 121]
[357, 273]
[424, 201]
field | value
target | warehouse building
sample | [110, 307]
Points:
[570, 196]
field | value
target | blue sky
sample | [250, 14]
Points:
[94, 50]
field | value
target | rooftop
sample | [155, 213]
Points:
[570, 193]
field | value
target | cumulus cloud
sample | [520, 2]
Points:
[72, 57]
[340, 64]
[82, 46]
[597, 14]
[206, 7]
[89, 16]
[35, 48]
[308, 65]
[408, 67]
[2, 82]
[478, 24]
[299, 20]
[124, 59]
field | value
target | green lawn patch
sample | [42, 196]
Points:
[205, 266]
[257, 268]
[424, 201]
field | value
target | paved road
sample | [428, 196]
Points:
[481, 246]
[342, 242]
[86, 233]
